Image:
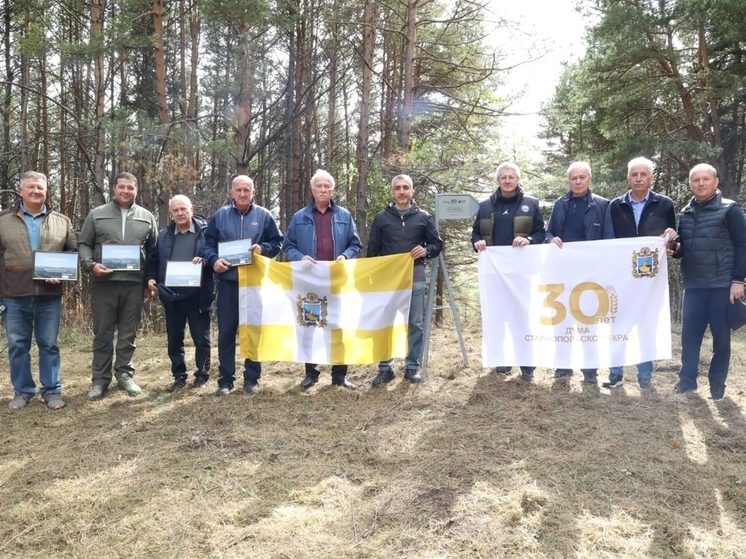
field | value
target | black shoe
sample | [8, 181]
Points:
[413, 376]
[308, 382]
[503, 371]
[678, 389]
[383, 377]
[343, 382]
[562, 373]
[615, 381]
[251, 387]
[199, 382]
[178, 384]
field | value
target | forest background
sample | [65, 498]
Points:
[188, 93]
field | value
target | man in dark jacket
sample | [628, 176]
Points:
[240, 219]
[33, 307]
[509, 218]
[640, 212]
[323, 230]
[577, 215]
[712, 248]
[184, 241]
[404, 227]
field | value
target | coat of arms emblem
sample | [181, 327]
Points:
[312, 310]
[645, 263]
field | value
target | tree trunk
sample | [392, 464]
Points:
[369, 42]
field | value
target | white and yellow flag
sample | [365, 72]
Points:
[335, 313]
[589, 304]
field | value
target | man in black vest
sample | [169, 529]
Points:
[509, 217]
[712, 248]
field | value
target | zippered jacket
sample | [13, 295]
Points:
[300, 237]
[104, 226]
[16, 257]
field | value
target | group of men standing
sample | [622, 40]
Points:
[711, 243]
[321, 231]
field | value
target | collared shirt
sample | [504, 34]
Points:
[324, 241]
[177, 231]
[33, 225]
[637, 207]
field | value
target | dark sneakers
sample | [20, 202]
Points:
[562, 373]
[383, 377]
[251, 387]
[678, 389]
[503, 371]
[178, 384]
[413, 376]
[308, 382]
[344, 383]
[615, 381]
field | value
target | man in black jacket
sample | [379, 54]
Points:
[640, 212]
[509, 218]
[184, 240]
[404, 227]
[712, 248]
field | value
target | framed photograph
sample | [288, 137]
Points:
[55, 265]
[121, 257]
[183, 274]
[237, 253]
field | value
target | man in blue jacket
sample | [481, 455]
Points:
[404, 227]
[240, 219]
[325, 231]
[184, 241]
[640, 212]
[577, 215]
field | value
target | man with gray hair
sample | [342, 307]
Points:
[32, 306]
[640, 212]
[183, 240]
[240, 219]
[403, 227]
[712, 246]
[577, 215]
[509, 217]
[322, 230]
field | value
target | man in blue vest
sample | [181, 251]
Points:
[712, 246]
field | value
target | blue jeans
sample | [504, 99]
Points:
[178, 314]
[41, 316]
[414, 333]
[644, 371]
[227, 331]
[703, 307]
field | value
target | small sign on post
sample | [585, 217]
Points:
[456, 206]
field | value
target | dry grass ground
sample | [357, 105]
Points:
[467, 465]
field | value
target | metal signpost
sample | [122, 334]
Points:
[447, 206]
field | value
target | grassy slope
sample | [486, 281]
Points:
[466, 465]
